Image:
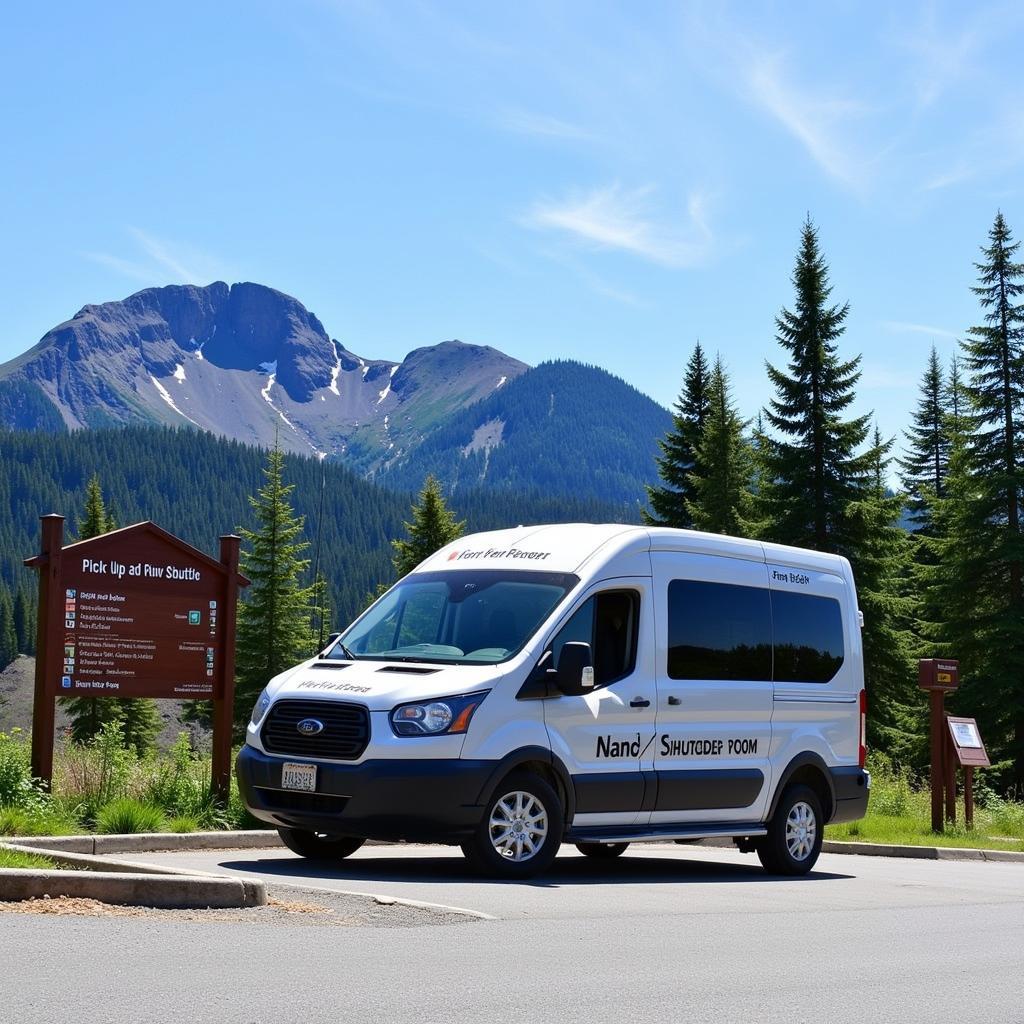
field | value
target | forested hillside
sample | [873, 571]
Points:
[197, 486]
[568, 428]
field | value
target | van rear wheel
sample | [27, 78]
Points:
[319, 845]
[602, 851]
[795, 833]
[521, 830]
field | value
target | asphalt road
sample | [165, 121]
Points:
[664, 934]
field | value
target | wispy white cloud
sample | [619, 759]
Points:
[819, 122]
[525, 122]
[161, 261]
[885, 378]
[900, 327]
[614, 218]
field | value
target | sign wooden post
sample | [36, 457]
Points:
[938, 676]
[47, 645]
[136, 612]
[964, 747]
[224, 709]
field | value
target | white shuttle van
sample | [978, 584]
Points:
[598, 685]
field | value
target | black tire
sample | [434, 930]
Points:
[602, 851]
[541, 806]
[795, 833]
[319, 845]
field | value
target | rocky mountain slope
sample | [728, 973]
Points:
[246, 362]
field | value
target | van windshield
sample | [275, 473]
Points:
[464, 616]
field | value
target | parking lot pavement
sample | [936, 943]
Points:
[664, 934]
[649, 879]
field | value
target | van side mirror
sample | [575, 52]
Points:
[575, 669]
[330, 643]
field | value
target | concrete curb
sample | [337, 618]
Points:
[922, 852]
[185, 892]
[906, 852]
[125, 882]
[154, 842]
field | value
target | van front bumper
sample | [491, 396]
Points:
[418, 800]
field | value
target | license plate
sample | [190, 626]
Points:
[299, 776]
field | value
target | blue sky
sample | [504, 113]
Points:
[606, 182]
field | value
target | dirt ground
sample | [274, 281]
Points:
[291, 906]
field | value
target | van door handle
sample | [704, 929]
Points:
[639, 702]
[674, 701]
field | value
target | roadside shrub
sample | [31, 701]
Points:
[97, 773]
[1007, 817]
[17, 787]
[125, 816]
[183, 823]
[180, 784]
[45, 818]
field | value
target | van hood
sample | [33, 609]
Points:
[380, 685]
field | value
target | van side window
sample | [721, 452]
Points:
[718, 631]
[609, 623]
[808, 637]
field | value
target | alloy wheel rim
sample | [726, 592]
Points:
[801, 830]
[518, 826]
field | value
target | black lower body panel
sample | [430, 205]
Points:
[414, 800]
[852, 787]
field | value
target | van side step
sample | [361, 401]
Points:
[660, 833]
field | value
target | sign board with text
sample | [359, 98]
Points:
[142, 618]
[136, 612]
[967, 744]
[938, 674]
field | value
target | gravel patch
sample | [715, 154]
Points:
[291, 905]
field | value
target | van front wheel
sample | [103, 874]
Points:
[521, 830]
[795, 833]
[318, 845]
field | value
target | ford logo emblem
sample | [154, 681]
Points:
[310, 726]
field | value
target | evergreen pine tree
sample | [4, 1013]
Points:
[8, 637]
[723, 466]
[24, 623]
[927, 458]
[676, 464]
[885, 596]
[813, 471]
[273, 622]
[138, 716]
[94, 521]
[433, 526]
[985, 547]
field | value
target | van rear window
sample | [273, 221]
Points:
[724, 631]
[808, 633]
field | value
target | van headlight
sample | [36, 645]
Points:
[442, 717]
[260, 708]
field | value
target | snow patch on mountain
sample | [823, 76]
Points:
[387, 391]
[166, 396]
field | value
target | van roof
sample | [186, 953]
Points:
[567, 547]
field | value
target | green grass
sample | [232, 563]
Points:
[899, 812]
[912, 831]
[16, 859]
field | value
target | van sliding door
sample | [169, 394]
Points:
[714, 690]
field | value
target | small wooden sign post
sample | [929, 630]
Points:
[938, 676]
[136, 612]
[964, 748]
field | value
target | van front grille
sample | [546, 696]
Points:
[345, 733]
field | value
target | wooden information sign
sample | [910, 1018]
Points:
[967, 745]
[135, 613]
